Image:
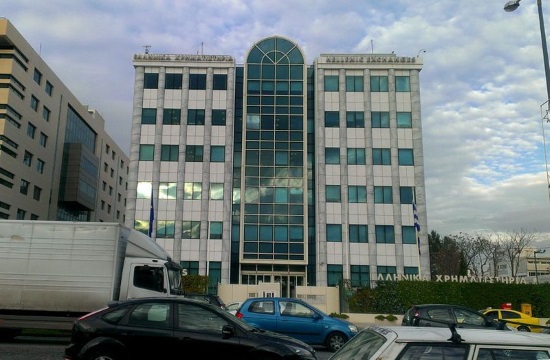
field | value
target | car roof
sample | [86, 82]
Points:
[274, 298]
[468, 335]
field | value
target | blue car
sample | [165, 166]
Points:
[297, 318]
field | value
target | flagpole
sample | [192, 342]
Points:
[417, 233]
[151, 213]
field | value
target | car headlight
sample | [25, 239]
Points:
[352, 328]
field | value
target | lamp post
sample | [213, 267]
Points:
[536, 270]
[513, 5]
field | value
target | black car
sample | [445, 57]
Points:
[442, 315]
[209, 298]
[157, 328]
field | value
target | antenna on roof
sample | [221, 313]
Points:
[146, 47]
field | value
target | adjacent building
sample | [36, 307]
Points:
[56, 160]
[279, 170]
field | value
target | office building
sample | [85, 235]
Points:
[278, 170]
[56, 160]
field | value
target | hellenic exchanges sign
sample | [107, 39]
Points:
[454, 278]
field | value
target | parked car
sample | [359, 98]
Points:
[516, 319]
[233, 307]
[298, 319]
[209, 298]
[157, 328]
[441, 315]
[436, 343]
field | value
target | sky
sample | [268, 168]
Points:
[483, 88]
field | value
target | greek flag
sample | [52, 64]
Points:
[416, 226]
[151, 214]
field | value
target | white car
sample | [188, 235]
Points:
[233, 307]
[436, 343]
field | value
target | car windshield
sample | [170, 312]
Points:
[361, 347]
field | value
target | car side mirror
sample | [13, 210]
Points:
[227, 331]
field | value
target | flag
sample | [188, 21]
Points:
[416, 226]
[151, 214]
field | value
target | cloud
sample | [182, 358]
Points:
[482, 82]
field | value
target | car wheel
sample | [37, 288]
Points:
[103, 355]
[524, 328]
[335, 341]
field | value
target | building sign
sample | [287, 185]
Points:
[454, 278]
[181, 57]
[367, 59]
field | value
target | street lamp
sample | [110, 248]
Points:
[536, 270]
[513, 5]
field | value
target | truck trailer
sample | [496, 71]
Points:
[52, 272]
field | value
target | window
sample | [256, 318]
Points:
[332, 119]
[335, 274]
[220, 82]
[355, 119]
[20, 214]
[43, 139]
[378, 83]
[169, 152]
[405, 157]
[409, 234]
[332, 155]
[24, 187]
[216, 191]
[192, 190]
[334, 232]
[218, 117]
[384, 234]
[357, 194]
[40, 164]
[31, 130]
[171, 116]
[438, 351]
[217, 153]
[333, 193]
[358, 233]
[36, 193]
[146, 152]
[381, 156]
[148, 116]
[197, 81]
[194, 153]
[165, 228]
[37, 76]
[356, 156]
[360, 276]
[167, 191]
[49, 88]
[354, 83]
[383, 195]
[402, 84]
[380, 119]
[150, 81]
[191, 230]
[27, 158]
[331, 83]
[216, 229]
[404, 120]
[195, 117]
[34, 103]
[46, 113]
[406, 195]
[173, 81]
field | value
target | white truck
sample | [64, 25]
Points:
[52, 272]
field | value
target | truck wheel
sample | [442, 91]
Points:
[524, 328]
[103, 355]
[335, 341]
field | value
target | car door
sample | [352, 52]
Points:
[145, 324]
[300, 321]
[438, 316]
[203, 331]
